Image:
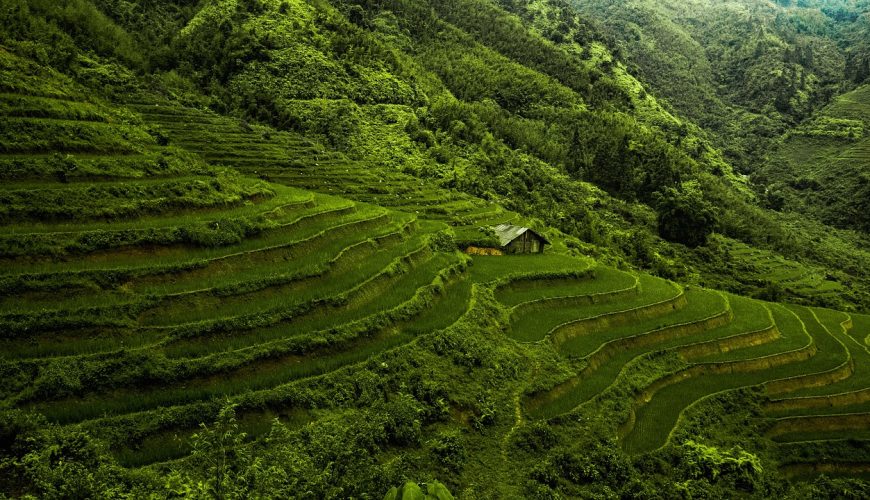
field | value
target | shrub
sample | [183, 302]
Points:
[535, 437]
[448, 448]
[219, 233]
[684, 215]
[56, 462]
[336, 120]
[701, 461]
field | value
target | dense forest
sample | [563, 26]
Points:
[745, 71]
[231, 236]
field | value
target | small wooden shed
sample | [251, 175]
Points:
[517, 239]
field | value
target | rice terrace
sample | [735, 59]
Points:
[411, 249]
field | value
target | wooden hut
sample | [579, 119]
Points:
[516, 239]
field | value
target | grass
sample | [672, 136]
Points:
[52, 168]
[126, 200]
[860, 328]
[831, 351]
[283, 197]
[537, 325]
[793, 336]
[656, 419]
[176, 443]
[834, 348]
[88, 342]
[288, 219]
[244, 272]
[33, 135]
[823, 410]
[203, 307]
[161, 447]
[701, 304]
[262, 375]
[798, 278]
[449, 307]
[508, 267]
[321, 315]
[832, 426]
[809, 435]
[188, 304]
[804, 459]
[308, 257]
[616, 348]
[848, 395]
[748, 316]
[24, 106]
[173, 270]
[24, 77]
[604, 279]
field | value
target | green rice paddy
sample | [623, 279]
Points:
[143, 281]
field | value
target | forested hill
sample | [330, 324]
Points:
[819, 168]
[745, 70]
[529, 104]
[231, 234]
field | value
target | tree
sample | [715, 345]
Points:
[684, 216]
[48, 461]
[221, 460]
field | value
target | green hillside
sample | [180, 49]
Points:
[745, 70]
[232, 267]
[554, 127]
[820, 168]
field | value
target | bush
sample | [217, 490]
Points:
[684, 216]
[219, 233]
[535, 438]
[709, 463]
[66, 463]
[448, 448]
[336, 120]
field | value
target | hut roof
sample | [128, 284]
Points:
[506, 233]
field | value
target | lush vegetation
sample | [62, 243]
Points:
[818, 168]
[746, 71]
[230, 264]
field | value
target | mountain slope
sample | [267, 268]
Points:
[505, 113]
[232, 269]
[820, 168]
[347, 344]
[744, 70]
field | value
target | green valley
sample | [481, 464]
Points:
[256, 249]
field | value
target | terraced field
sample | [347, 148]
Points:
[152, 269]
[289, 159]
[824, 158]
[146, 278]
[822, 427]
[669, 349]
[797, 279]
[159, 261]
